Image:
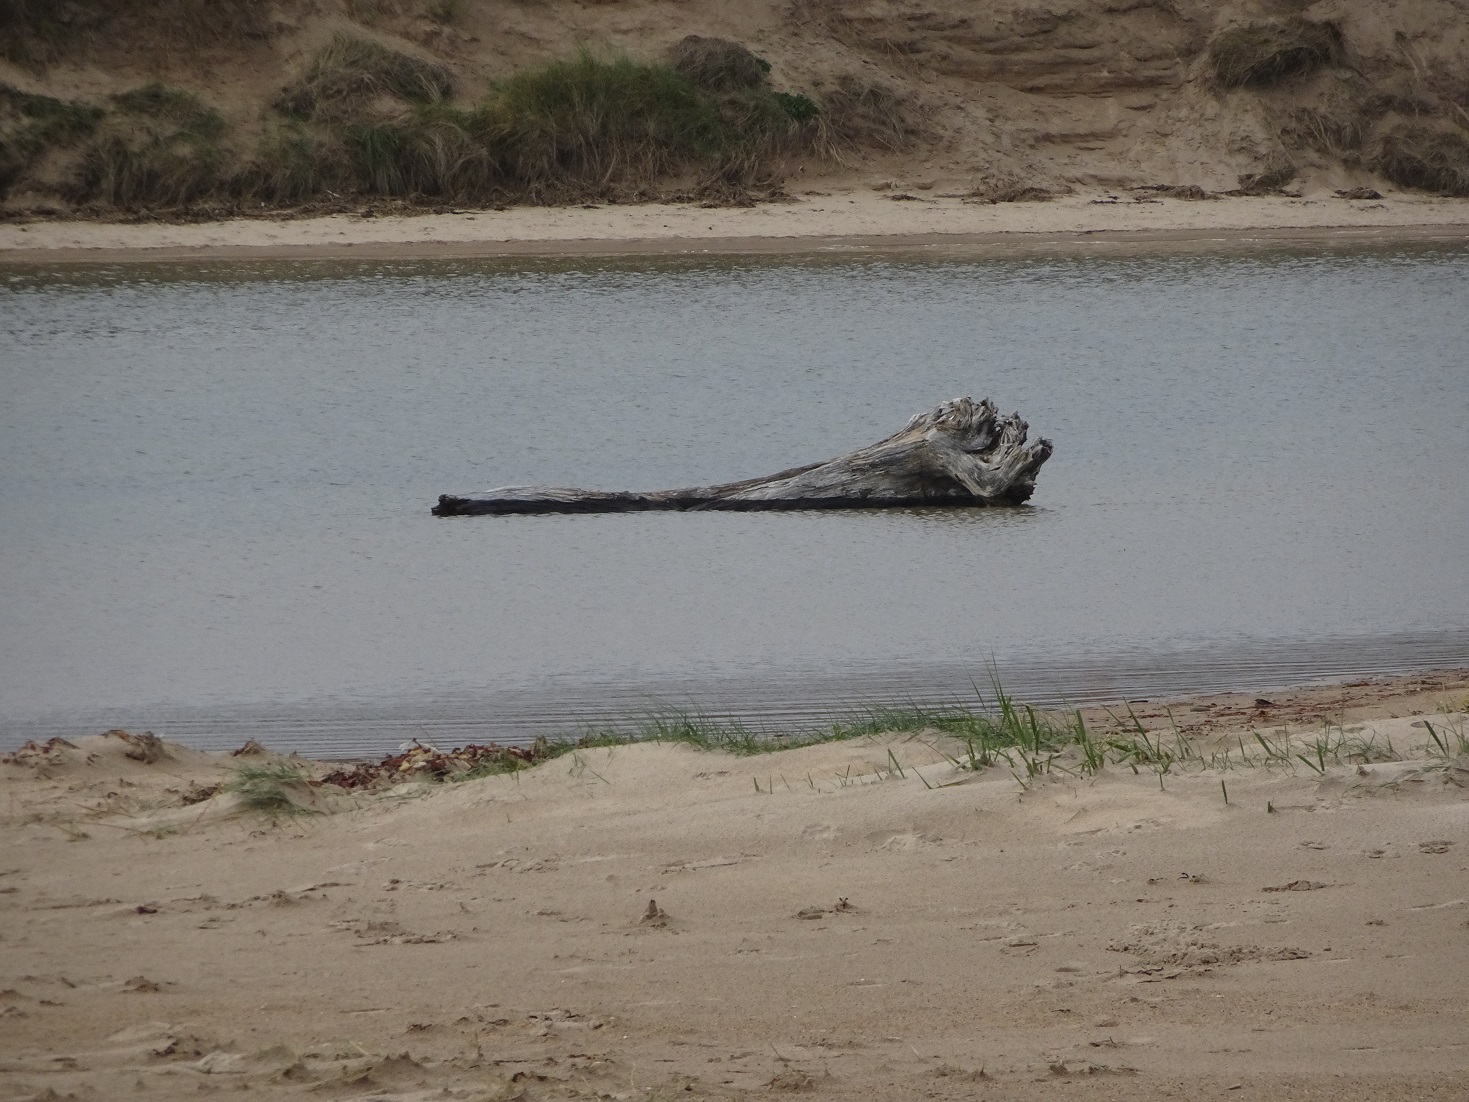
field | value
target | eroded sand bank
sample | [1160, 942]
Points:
[854, 920]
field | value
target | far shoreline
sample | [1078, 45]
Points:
[846, 224]
[1002, 244]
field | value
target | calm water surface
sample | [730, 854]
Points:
[216, 480]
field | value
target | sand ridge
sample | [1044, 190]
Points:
[853, 920]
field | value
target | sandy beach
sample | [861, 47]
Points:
[851, 220]
[856, 920]
[1239, 896]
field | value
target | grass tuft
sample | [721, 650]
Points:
[583, 125]
[866, 114]
[273, 790]
[142, 168]
[1265, 53]
[171, 105]
[432, 152]
[349, 74]
[1337, 133]
[365, 120]
[159, 148]
[291, 164]
[31, 125]
[717, 65]
[1431, 158]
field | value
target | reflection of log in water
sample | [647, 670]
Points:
[962, 453]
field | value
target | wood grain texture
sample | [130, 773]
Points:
[961, 453]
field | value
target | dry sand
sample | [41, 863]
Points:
[845, 930]
[847, 220]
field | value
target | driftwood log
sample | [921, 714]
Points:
[960, 454]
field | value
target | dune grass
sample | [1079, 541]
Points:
[590, 125]
[292, 164]
[56, 120]
[364, 120]
[585, 123]
[717, 65]
[159, 146]
[1264, 53]
[1336, 132]
[167, 104]
[984, 732]
[347, 75]
[578, 128]
[866, 114]
[30, 125]
[267, 789]
[995, 732]
[1029, 743]
[1433, 158]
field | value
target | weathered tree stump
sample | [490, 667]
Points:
[960, 454]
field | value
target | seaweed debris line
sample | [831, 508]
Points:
[961, 453]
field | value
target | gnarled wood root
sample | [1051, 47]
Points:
[960, 454]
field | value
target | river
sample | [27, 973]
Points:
[216, 481]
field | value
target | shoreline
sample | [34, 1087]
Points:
[845, 223]
[876, 918]
[1292, 700]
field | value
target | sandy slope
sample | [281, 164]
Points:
[1070, 94]
[864, 218]
[1114, 936]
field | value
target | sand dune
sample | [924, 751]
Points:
[852, 920]
[1064, 96]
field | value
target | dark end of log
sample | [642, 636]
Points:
[960, 454]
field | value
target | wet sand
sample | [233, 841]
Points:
[855, 920]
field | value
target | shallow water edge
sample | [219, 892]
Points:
[368, 725]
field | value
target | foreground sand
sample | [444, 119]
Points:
[845, 220]
[1113, 937]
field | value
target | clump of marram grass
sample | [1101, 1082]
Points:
[160, 147]
[277, 789]
[717, 65]
[1432, 158]
[998, 733]
[58, 120]
[364, 120]
[985, 732]
[32, 125]
[576, 128]
[169, 104]
[1335, 132]
[347, 75]
[291, 164]
[434, 151]
[584, 124]
[860, 113]
[588, 126]
[1265, 53]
